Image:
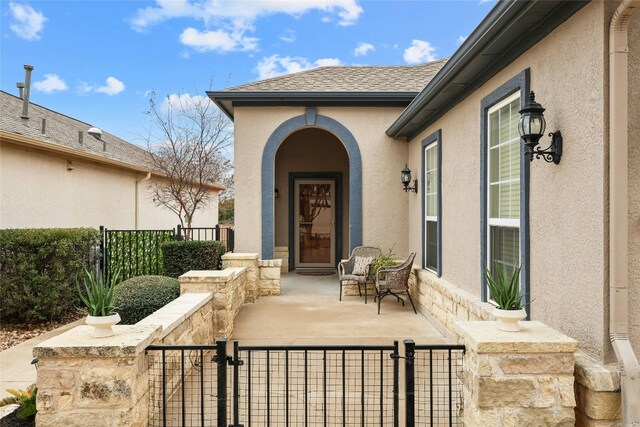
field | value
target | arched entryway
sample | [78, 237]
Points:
[303, 149]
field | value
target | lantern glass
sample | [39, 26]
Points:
[405, 175]
[531, 124]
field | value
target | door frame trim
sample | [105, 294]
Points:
[337, 177]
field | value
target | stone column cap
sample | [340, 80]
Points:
[227, 274]
[128, 341]
[534, 337]
[240, 256]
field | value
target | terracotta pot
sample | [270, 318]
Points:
[103, 324]
[508, 319]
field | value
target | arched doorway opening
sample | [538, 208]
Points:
[312, 204]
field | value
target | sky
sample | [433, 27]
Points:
[98, 61]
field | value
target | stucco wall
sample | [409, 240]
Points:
[309, 150]
[384, 203]
[634, 180]
[567, 201]
[37, 190]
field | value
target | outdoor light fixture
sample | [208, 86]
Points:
[531, 129]
[406, 179]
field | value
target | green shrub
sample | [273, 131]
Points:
[39, 269]
[384, 260]
[182, 256]
[138, 297]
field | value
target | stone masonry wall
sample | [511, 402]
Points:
[229, 294]
[104, 380]
[597, 386]
[517, 379]
[282, 253]
[269, 277]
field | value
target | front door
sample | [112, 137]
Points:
[314, 231]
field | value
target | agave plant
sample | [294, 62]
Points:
[98, 294]
[25, 398]
[505, 293]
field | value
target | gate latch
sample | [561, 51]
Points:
[237, 362]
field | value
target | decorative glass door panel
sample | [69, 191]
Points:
[315, 223]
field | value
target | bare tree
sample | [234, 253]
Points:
[187, 145]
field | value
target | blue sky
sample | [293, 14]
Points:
[98, 60]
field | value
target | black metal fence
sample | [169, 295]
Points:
[305, 385]
[139, 252]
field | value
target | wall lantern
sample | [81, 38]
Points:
[531, 128]
[406, 179]
[276, 194]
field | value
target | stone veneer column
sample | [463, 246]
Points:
[517, 378]
[269, 277]
[250, 262]
[84, 380]
[228, 287]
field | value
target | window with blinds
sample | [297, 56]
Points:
[431, 206]
[504, 185]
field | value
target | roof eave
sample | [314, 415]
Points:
[226, 100]
[502, 18]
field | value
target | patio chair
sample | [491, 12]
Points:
[395, 281]
[350, 270]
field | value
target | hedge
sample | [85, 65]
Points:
[182, 256]
[39, 269]
[138, 297]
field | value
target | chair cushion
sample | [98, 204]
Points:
[353, 278]
[360, 265]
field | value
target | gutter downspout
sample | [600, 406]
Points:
[138, 181]
[619, 212]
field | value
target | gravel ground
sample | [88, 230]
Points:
[14, 333]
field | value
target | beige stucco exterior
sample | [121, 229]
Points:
[568, 202]
[39, 188]
[384, 202]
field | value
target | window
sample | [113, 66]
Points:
[431, 206]
[503, 182]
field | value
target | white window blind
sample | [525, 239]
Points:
[504, 185]
[431, 206]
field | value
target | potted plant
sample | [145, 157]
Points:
[506, 294]
[98, 298]
[384, 260]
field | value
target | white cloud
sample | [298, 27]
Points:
[113, 87]
[27, 22]
[51, 83]
[461, 39]
[227, 22]
[276, 65]
[219, 40]
[363, 48]
[288, 36]
[240, 12]
[419, 51]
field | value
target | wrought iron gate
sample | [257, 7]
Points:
[305, 385]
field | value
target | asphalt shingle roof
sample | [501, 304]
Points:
[349, 79]
[63, 130]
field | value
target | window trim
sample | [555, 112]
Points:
[519, 83]
[434, 138]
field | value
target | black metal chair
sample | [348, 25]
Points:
[395, 281]
[345, 268]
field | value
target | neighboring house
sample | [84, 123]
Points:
[53, 173]
[318, 156]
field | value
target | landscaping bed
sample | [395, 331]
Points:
[14, 334]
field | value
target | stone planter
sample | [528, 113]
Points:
[102, 325]
[508, 319]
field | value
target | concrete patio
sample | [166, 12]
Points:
[308, 312]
